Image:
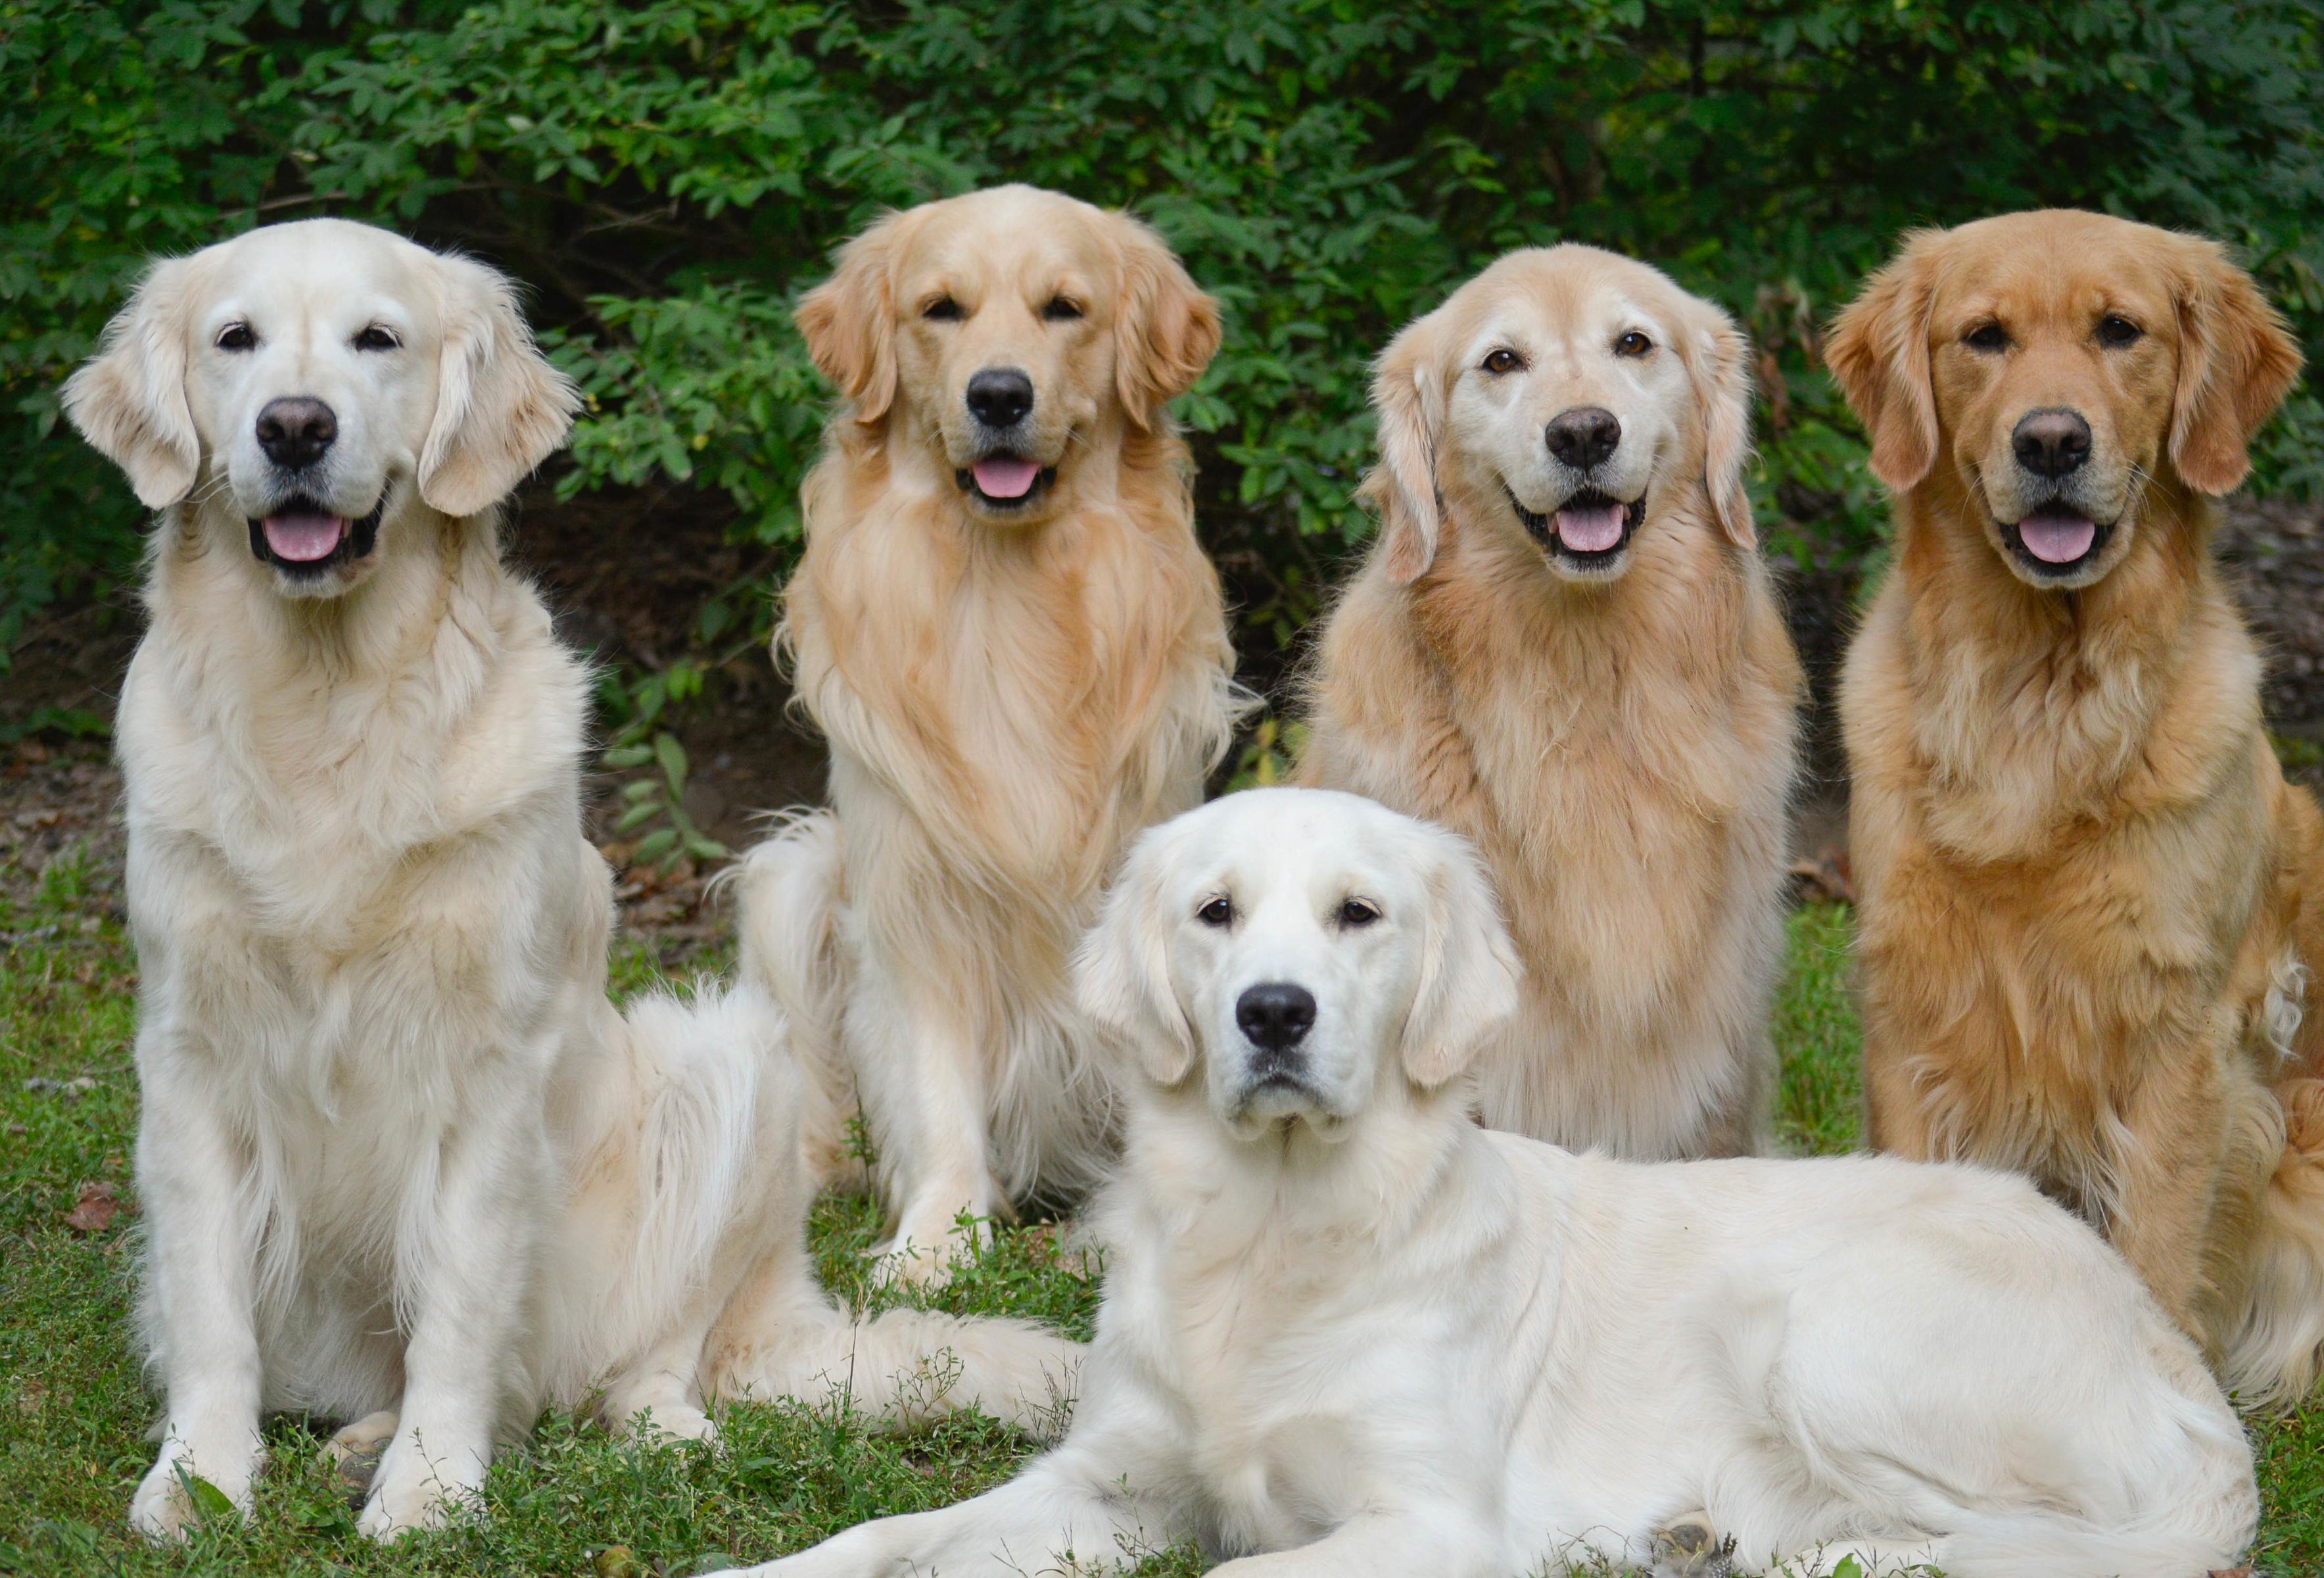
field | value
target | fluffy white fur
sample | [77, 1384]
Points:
[401, 1160]
[1011, 689]
[1347, 1331]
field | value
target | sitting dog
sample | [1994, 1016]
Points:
[1017, 651]
[1565, 648]
[402, 1161]
[2092, 908]
[1346, 1327]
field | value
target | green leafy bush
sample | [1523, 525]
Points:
[668, 176]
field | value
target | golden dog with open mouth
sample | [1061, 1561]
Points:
[1564, 647]
[1005, 627]
[2090, 904]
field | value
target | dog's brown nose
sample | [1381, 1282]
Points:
[998, 397]
[294, 432]
[1585, 435]
[2052, 442]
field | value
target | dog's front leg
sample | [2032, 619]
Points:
[918, 1071]
[1445, 1541]
[466, 1282]
[1076, 1513]
[199, 1310]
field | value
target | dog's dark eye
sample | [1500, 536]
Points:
[1987, 336]
[942, 309]
[1502, 361]
[236, 337]
[376, 337]
[1061, 309]
[1633, 344]
[1359, 912]
[2115, 329]
[1217, 912]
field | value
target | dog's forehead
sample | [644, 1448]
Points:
[1294, 842]
[1024, 236]
[1564, 295]
[2035, 266]
[322, 270]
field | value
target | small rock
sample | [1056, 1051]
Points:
[71, 1090]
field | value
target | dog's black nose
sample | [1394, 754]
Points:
[1276, 1015]
[2052, 442]
[1585, 435]
[295, 433]
[998, 397]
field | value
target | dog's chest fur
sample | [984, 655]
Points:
[350, 860]
[2064, 835]
[1262, 1318]
[1622, 757]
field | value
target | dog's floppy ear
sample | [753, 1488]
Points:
[1408, 396]
[1469, 969]
[501, 409]
[1718, 358]
[1166, 330]
[130, 401]
[1121, 971]
[2237, 362]
[1878, 349]
[848, 322]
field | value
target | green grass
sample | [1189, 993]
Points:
[574, 1500]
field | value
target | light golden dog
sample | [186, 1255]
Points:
[1564, 647]
[2091, 905]
[1004, 625]
[401, 1160]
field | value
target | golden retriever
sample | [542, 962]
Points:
[1347, 1334]
[1564, 647]
[401, 1162]
[1004, 626]
[2090, 904]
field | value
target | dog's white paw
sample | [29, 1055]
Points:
[414, 1490]
[170, 1499]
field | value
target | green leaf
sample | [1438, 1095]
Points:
[672, 757]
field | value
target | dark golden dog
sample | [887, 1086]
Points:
[2091, 905]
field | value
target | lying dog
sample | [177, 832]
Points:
[400, 1160]
[1006, 628]
[1344, 1325]
[1565, 648]
[2091, 905]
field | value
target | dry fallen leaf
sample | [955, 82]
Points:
[1823, 877]
[96, 1209]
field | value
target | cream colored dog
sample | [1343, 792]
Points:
[1564, 647]
[1347, 1331]
[1005, 627]
[400, 1159]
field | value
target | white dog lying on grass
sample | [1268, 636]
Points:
[1346, 1327]
[402, 1161]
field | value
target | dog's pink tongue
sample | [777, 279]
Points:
[2057, 540]
[1000, 477]
[303, 538]
[1589, 527]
